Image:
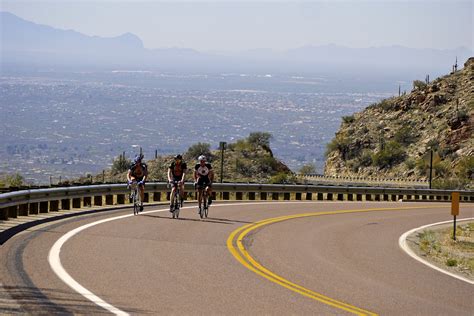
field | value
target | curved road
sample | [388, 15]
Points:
[330, 262]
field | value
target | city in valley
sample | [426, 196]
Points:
[73, 124]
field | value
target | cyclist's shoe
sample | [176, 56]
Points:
[141, 208]
[209, 201]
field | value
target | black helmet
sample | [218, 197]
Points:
[178, 156]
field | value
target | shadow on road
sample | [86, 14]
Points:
[32, 300]
[205, 220]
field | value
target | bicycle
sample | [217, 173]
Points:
[204, 209]
[176, 199]
[135, 197]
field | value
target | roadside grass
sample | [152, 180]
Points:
[439, 246]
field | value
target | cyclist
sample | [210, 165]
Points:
[138, 172]
[203, 177]
[177, 172]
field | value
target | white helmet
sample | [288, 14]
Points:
[202, 157]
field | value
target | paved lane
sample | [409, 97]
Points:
[152, 264]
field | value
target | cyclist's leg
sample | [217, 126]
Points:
[181, 191]
[173, 189]
[132, 188]
[141, 189]
[209, 193]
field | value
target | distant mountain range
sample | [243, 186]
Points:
[25, 42]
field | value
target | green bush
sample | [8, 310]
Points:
[199, 149]
[308, 169]
[465, 168]
[348, 119]
[260, 139]
[282, 178]
[120, 164]
[391, 155]
[404, 135]
[451, 262]
[419, 85]
[12, 180]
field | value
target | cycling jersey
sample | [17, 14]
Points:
[177, 170]
[203, 171]
[138, 171]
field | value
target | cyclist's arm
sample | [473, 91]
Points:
[169, 175]
[195, 176]
[145, 173]
[129, 175]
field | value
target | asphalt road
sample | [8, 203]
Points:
[328, 262]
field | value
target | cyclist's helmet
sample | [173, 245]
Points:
[138, 158]
[178, 156]
[201, 158]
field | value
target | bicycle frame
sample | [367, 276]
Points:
[136, 198]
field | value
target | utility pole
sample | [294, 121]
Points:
[431, 166]
[222, 147]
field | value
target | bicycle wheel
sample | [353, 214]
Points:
[135, 204]
[204, 205]
[176, 205]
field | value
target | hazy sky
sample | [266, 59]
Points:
[242, 25]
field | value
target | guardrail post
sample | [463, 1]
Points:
[33, 208]
[43, 207]
[65, 204]
[13, 211]
[54, 206]
[23, 210]
[98, 200]
[87, 201]
[109, 199]
[156, 196]
[121, 199]
[329, 197]
[251, 196]
[4, 214]
[76, 203]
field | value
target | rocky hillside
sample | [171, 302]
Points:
[248, 160]
[395, 137]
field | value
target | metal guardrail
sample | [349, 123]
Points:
[28, 202]
[363, 181]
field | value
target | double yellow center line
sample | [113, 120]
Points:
[236, 247]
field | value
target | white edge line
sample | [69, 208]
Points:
[402, 242]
